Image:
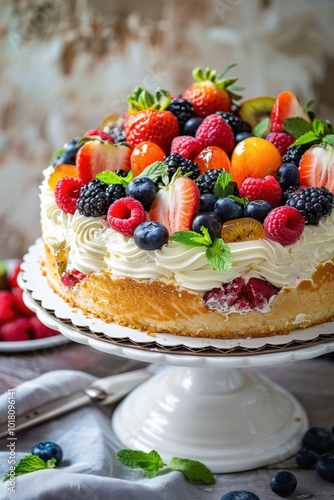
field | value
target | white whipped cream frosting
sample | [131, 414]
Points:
[95, 246]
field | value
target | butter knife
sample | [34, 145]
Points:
[103, 391]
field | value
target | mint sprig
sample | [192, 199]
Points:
[155, 171]
[316, 132]
[30, 463]
[217, 252]
[152, 463]
[262, 128]
[110, 177]
[56, 154]
[224, 186]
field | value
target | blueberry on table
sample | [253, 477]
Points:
[240, 495]
[283, 483]
[47, 450]
[319, 439]
[150, 235]
[306, 458]
[325, 467]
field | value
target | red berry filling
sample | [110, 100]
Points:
[284, 225]
[253, 295]
[72, 278]
[67, 191]
[125, 214]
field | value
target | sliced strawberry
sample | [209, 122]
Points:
[286, 105]
[176, 205]
[316, 167]
[259, 292]
[95, 157]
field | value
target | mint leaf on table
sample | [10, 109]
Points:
[30, 463]
[110, 177]
[192, 470]
[150, 462]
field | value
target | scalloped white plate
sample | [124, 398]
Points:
[33, 280]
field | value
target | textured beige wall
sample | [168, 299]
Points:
[65, 63]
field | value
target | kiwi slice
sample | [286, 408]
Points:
[244, 229]
[3, 275]
[256, 109]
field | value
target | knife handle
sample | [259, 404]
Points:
[117, 386]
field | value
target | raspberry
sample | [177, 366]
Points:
[67, 191]
[8, 306]
[21, 307]
[39, 330]
[100, 133]
[13, 274]
[281, 140]
[214, 131]
[263, 188]
[125, 214]
[16, 330]
[175, 160]
[72, 278]
[186, 146]
[284, 225]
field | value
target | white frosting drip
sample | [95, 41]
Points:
[95, 246]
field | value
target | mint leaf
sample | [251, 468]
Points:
[30, 463]
[219, 255]
[110, 177]
[155, 171]
[296, 126]
[192, 238]
[88, 138]
[262, 128]
[329, 139]
[150, 462]
[224, 185]
[308, 138]
[192, 470]
[318, 127]
[241, 201]
[56, 154]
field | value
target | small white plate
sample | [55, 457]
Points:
[32, 345]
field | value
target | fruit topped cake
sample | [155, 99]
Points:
[202, 214]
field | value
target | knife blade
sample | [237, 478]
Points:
[102, 391]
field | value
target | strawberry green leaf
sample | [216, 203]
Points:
[318, 127]
[110, 177]
[224, 185]
[296, 126]
[308, 138]
[150, 462]
[192, 238]
[192, 470]
[262, 128]
[30, 463]
[219, 255]
[329, 139]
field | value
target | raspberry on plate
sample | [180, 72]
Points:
[264, 188]
[39, 330]
[8, 306]
[284, 225]
[16, 330]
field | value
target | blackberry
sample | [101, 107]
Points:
[294, 154]
[121, 172]
[175, 160]
[94, 200]
[182, 109]
[313, 203]
[115, 191]
[206, 182]
[237, 124]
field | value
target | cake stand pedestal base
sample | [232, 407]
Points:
[230, 419]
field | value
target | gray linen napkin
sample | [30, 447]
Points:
[89, 469]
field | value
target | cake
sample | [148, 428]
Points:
[199, 215]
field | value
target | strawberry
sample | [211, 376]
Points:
[215, 131]
[285, 106]
[148, 120]
[176, 205]
[316, 167]
[95, 156]
[186, 146]
[259, 292]
[211, 92]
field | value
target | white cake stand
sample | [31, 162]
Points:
[210, 407]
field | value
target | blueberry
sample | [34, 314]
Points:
[288, 176]
[306, 458]
[142, 189]
[207, 202]
[283, 483]
[211, 221]
[47, 450]
[150, 235]
[191, 125]
[228, 209]
[325, 467]
[242, 135]
[240, 495]
[319, 439]
[258, 209]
